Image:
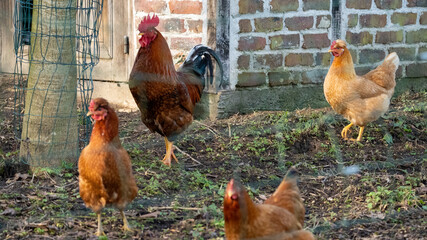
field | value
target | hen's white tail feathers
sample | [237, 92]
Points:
[393, 58]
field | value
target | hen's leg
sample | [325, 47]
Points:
[125, 222]
[100, 231]
[169, 153]
[360, 134]
[345, 130]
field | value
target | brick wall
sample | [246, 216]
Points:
[377, 27]
[278, 49]
[285, 42]
[279, 42]
[182, 22]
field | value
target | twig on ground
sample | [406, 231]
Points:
[210, 129]
[172, 208]
[188, 155]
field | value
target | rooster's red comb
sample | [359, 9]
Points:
[333, 44]
[148, 22]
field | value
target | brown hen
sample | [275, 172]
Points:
[360, 99]
[105, 172]
[281, 217]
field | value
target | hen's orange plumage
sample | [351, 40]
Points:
[281, 217]
[360, 99]
[166, 97]
[105, 172]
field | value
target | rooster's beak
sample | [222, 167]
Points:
[89, 113]
[330, 50]
[140, 34]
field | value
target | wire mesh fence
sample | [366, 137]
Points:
[56, 46]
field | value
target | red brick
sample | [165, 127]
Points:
[371, 55]
[404, 18]
[389, 37]
[404, 53]
[284, 41]
[296, 59]
[185, 7]
[299, 23]
[157, 6]
[323, 21]
[250, 6]
[245, 25]
[251, 43]
[270, 61]
[270, 24]
[173, 25]
[399, 72]
[323, 59]
[314, 76]
[317, 40]
[184, 43]
[361, 38]
[283, 78]
[251, 79]
[416, 70]
[417, 3]
[195, 26]
[416, 36]
[352, 20]
[316, 4]
[423, 19]
[281, 6]
[388, 4]
[243, 61]
[358, 4]
[373, 20]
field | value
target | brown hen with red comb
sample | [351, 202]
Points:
[280, 217]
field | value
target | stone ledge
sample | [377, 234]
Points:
[245, 101]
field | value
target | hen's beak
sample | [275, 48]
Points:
[330, 50]
[89, 113]
[140, 34]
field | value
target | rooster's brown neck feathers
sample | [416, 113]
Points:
[156, 57]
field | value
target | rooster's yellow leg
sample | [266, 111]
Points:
[345, 130]
[360, 134]
[100, 231]
[126, 226]
[169, 153]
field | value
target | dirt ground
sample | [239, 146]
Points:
[375, 189]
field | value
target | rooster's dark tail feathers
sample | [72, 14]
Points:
[200, 60]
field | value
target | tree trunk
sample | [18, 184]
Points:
[50, 126]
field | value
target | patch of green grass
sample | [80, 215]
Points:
[152, 187]
[39, 231]
[236, 143]
[198, 180]
[258, 145]
[385, 198]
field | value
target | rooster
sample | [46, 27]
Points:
[281, 217]
[166, 97]
[105, 172]
[360, 99]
